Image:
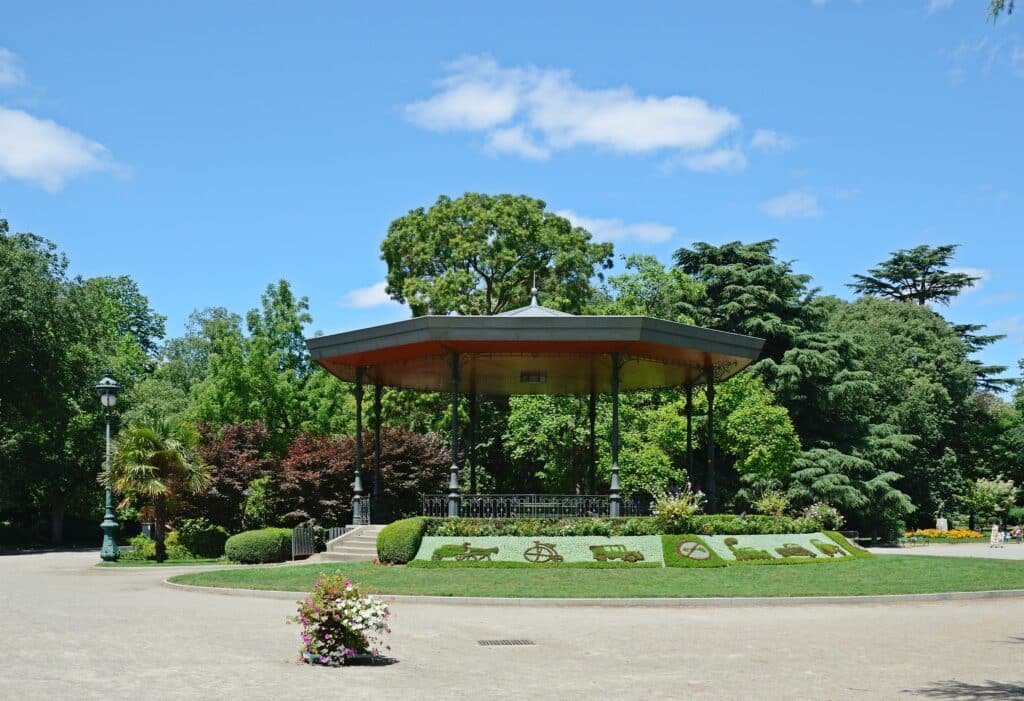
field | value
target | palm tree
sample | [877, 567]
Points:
[156, 460]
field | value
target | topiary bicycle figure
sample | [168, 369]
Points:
[542, 552]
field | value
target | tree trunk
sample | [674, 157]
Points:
[56, 516]
[160, 516]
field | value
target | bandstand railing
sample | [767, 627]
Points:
[531, 505]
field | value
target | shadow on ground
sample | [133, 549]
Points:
[970, 692]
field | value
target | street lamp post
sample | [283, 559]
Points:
[107, 388]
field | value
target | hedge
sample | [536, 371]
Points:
[266, 545]
[701, 524]
[399, 542]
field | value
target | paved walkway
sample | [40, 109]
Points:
[72, 631]
[1010, 551]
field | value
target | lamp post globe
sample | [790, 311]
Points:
[107, 388]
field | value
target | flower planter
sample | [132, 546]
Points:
[360, 657]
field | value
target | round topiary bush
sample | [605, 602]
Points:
[400, 541]
[264, 545]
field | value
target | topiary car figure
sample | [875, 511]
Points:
[463, 552]
[745, 553]
[830, 549]
[794, 550]
[445, 551]
[603, 553]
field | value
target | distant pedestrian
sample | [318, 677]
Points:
[1018, 534]
[995, 539]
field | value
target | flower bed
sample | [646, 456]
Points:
[952, 534]
[688, 550]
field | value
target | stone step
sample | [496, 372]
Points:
[356, 538]
[345, 557]
[359, 545]
[345, 547]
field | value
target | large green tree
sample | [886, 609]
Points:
[478, 254]
[262, 375]
[57, 333]
[921, 275]
[747, 290]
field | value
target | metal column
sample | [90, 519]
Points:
[689, 435]
[378, 388]
[453, 479]
[474, 419]
[359, 514]
[615, 498]
[709, 484]
[592, 417]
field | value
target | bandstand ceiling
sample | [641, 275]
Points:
[534, 350]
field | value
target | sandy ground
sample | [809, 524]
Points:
[69, 630]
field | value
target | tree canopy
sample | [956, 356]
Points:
[920, 275]
[478, 254]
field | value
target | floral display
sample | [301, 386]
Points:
[635, 551]
[339, 622]
[952, 534]
[542, 549]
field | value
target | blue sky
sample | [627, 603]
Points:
[212, 149]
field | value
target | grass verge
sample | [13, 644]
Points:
[894, 574]
[165, 563]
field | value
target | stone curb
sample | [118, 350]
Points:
[710, 602]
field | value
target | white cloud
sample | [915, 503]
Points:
[11, 73]
[819, 3]
[795, 204]
[616, 230]
[984, 56]
[515, 140]
[981, 273]
[936, 5]
[729, 160]
[768, 140]
[1012, 326]
[533, 111]
[43, 152]
[373, 296]
[999, 298]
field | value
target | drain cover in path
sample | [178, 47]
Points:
[504, 643]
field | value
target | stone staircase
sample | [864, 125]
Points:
[357, 545]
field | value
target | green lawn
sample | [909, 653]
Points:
[165, 563]
[890, 574]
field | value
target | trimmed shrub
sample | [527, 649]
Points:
[201, 538]
[264, 545]
[699, 524]
[143, 548]
[399, 542]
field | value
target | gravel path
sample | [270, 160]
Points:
[69, 630]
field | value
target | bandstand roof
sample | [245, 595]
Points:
[534, 350]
